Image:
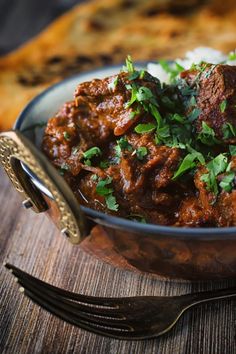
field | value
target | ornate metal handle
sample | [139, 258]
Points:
[16, 148]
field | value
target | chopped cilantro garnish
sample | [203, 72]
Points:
[210, 180]
[142, 74]
[124, 144]
[145, 94]
[94, 151]
[104, 164]
[216, 166]
[133, 114]
[90, 153]
[223, 106]
[156, 115]
[229, 131]
[87, 162]
[192, 101]
[129, 64]
[116, 158]
[66, 135]
[232, 150]
[134, 75]
[227, 182]
[94, 177]
[168, 103]
[145, 128]
[207, 135]
[112, 85]
[102, 190]
[194, 114]
[232, 56]
[178, 118]
[111, 202]
[141, 152]
[189, 162]
[172, 69]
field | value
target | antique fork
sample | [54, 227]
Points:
[123, 318]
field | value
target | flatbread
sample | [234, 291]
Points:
[101, 33]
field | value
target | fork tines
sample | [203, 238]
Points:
[99, 315]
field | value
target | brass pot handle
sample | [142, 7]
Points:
[16, 148]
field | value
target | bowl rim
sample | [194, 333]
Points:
[210, 233]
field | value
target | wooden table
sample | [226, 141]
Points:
[32, 242]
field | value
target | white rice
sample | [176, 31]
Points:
[195, 56]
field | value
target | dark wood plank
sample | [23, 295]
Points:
[31, 242]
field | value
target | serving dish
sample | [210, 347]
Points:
[172, 252]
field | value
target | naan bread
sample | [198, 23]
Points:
[103, 32]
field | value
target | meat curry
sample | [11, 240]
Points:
[133, 147]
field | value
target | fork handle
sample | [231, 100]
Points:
[204, 296]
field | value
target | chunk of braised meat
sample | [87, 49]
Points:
[192, 214]
[98, 113]
[215, 86]
[107, 100]
[73, 129]
[156, 169]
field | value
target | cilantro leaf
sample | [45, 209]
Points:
[102, 190]
[218, 164]
[223, 106]
[94, 151]
[227, 182]
[232, 56]
[229, 131]
[104, 164]
[66, 135]
[232, 150]
[210, 180]
[188, 163]
[172, 69]
[207, 135]
[111, 202]
[112, 85]
[117, 157]
[194, 114]
[124, 144]
[134, 75]
[144, 128]
[94, 177]
[129, 64]
[141, 152]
